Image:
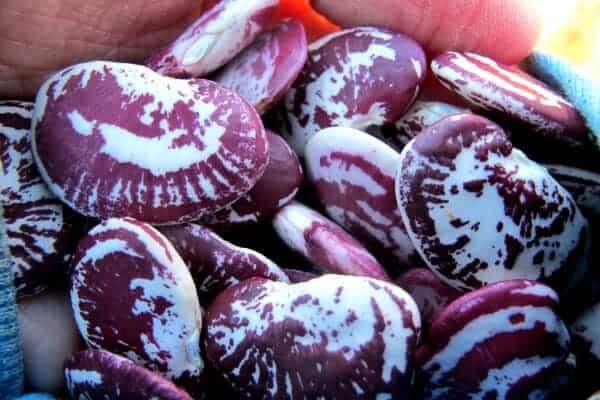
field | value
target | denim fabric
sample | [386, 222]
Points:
[11, 361]
[583, 92]
[36, 396]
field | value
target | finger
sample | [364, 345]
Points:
[38, 37]
[48, 336]
[506, 30]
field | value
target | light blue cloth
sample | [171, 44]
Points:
[583, 92]
[37, 396]
[11, 361]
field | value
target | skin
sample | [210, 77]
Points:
[506, 30]
[41, 36]
[49, 335]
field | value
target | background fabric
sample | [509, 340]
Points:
[583, 92]
[11, 362]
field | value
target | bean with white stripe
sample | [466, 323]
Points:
[41, 233]
[354, 78]
[334, 337]
[498, 342]
[133, 295]
[157, 149]
[479, 211]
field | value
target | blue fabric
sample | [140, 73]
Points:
[36, 396]
[11, 361]
[583, 92]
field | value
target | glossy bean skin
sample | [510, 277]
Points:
[324, 243]
[354, 177]
[354, 78]
[479, 211]
[273, 340]
[263, 73]
[41, 232]
[95, 374]
[161, 150]
[214, 39]
[133, 295]
[505, 340]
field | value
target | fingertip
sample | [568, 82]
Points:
[506, 30]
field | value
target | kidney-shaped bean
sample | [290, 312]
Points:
[133, 295]
[354, 78]
[324, 243]
[339, 337]
[215, 263]
[353, 174]
[514, 95]
[479, 211]
[264, 72]
[214, 39]
[118, 140]
[503, 341]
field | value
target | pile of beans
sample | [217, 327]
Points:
[371, 243]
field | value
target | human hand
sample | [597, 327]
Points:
[506, 30]
[38, 37]
[41, 36]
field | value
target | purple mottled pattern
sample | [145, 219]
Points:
[159, 149]
[341, 337]
[276, 188]
[133, 295]
[216, 37]
[97, 374]
[215, 263]
[504, 341]
[479, 211]
[40, 231]
[264, 72]
[355, 78]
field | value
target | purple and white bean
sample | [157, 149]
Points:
[276, 188]
[39, 229]
[499, 342]
[342, 337]
[97, 374]
[263, 73]
[479, 211]
[324, 243]
[215, 263]
[133, 295]
[214, 39]
[353, 174]
[354, 78]
[186, 148]
[131, 145]
[513, 94]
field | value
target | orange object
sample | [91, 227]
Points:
[316, 25]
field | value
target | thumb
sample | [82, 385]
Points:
[506, 30]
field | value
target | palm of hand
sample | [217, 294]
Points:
[39, 36]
